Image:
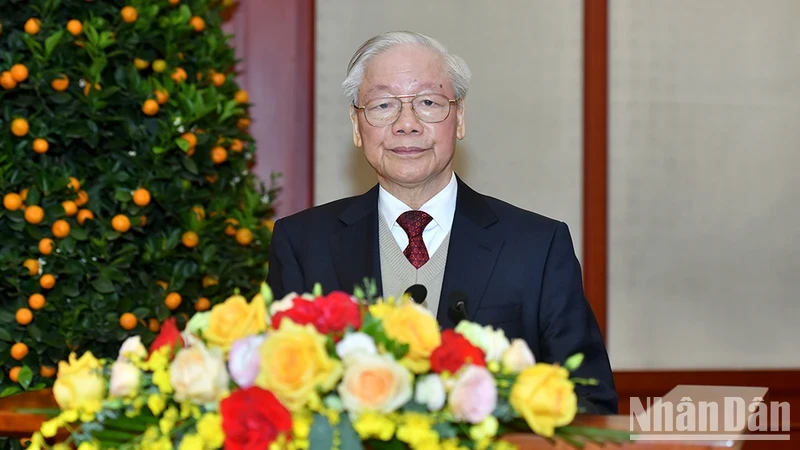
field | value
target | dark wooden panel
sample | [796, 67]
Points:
[595, 155]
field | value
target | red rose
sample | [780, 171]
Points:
[302, 312]
[253, 418]
[455, 351]
[169, 335]
[337, 311]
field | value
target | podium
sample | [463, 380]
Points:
[17, 424]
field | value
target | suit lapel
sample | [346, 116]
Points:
[354, 247]
[472, 253]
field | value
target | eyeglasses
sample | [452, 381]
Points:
[429, 108]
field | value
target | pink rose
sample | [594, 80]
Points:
[244, 360]
[474, 395]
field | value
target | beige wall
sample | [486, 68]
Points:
[704, 241]
[523, 139]
[704, 197]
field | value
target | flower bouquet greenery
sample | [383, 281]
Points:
[316, 371]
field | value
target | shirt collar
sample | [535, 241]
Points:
[442, 207]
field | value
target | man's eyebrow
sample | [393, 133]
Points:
[383, 87]
[380, 87]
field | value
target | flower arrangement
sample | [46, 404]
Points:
[315, 371]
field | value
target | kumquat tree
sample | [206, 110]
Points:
[127, 195]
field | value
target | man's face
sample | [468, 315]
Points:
[408, 152]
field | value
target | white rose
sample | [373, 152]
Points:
[132, 346]
[493, 342]
[374, 383]
[198, 374]
[430, 392]
[286, 302]
[518, 356]
[189, 339]
[354, 343]
[125, 378]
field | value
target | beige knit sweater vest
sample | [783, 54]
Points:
[398, 274]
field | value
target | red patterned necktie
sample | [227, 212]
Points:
[413, 222]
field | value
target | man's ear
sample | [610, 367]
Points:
[356, 130]
[461, 126]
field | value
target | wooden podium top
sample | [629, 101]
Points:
[19, 425]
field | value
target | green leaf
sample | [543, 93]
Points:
[445, 430]
[348, 437]
[113, 436]
[393, 444]
[33, 194]
[585, 381]
[159, 150]
[10, 390]
[49, 412]
[34, 332]
[103, 286]
[51, 42]
[60, 98]
[90, 32]
[122, 194]
[97, 67]
[4, 334]
[400, 351]
[33, 45]
[25, 377]
[79, 234]
[6, 317]
[189, 165]
[183, 144]
[321, 434]
[503, 411]
[127, 424]
[573, 362]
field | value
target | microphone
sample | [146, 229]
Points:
[417, 292]
[458, 306]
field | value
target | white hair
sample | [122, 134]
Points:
[456, 67]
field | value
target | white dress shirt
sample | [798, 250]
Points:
[442, 207]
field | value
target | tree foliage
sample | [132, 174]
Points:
[125, 174]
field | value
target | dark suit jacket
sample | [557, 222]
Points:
[518, 269]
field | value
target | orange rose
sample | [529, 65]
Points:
[374, 383]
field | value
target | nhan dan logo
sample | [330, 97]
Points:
[709, 413]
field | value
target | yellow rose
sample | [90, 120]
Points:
[545, 397]
[235, 319]
[295, 363]
[80, 383]
[414, 325]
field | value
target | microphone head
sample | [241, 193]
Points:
[457, 310]
[417, 292]
[457, 300]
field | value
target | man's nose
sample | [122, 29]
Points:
[407, 122]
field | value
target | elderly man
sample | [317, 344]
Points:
[476, 256]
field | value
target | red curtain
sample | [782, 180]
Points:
[275, 41]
